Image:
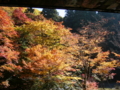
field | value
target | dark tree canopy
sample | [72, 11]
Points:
[76, 19]
[51, 13]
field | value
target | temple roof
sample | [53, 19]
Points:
[92, 5]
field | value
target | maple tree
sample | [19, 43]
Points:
[8, 54]
[47, 66]
[48, 45]
[47, 33]
[8, 10]
[20, 17]
[35, 17]
[93, 64]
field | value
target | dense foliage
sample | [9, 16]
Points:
[51, 13]
[42, 54]
[77, 19]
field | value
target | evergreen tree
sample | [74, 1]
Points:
[69, 18]
[51, 13]
[112, 42]
[113, 18]
[76, 19]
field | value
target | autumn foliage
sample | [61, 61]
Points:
[93, 63]
[19, 17]
[42, 54]
[8, 54]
